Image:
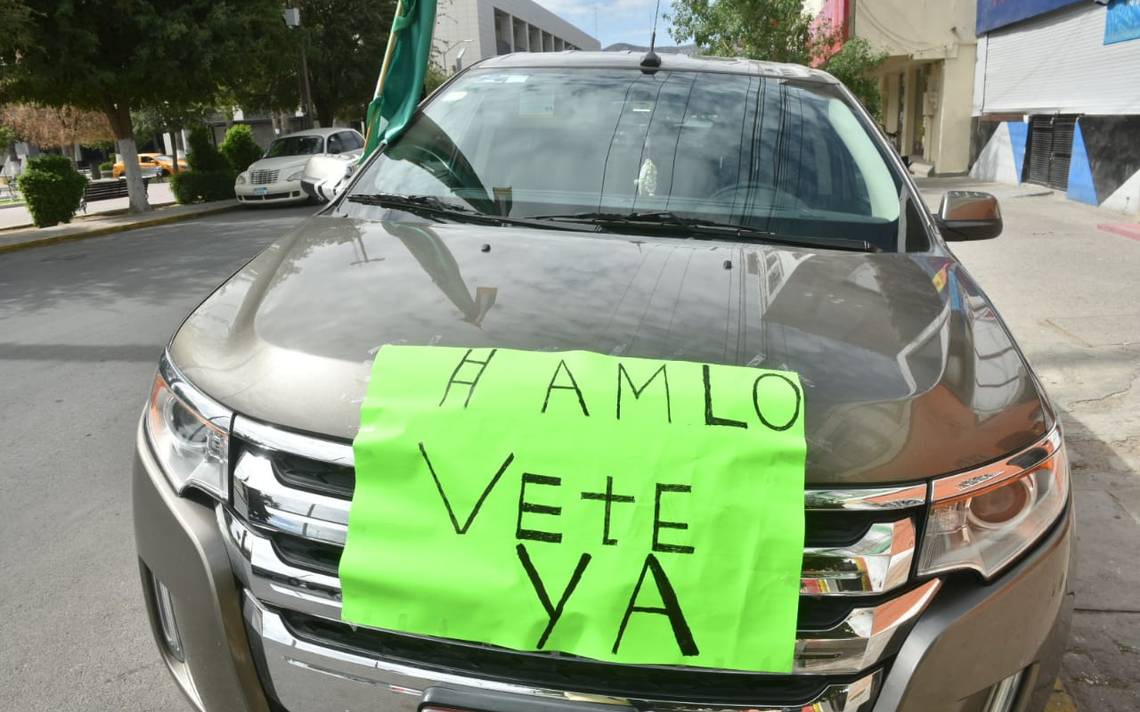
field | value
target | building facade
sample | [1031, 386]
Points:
[927, 79]
[1057, 98]
[469, 30]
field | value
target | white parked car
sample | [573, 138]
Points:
[276, 177]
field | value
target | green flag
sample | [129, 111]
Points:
[402, 77]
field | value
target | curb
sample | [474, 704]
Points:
[112, 229]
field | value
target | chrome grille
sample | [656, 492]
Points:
[289, 516]
[263, 177]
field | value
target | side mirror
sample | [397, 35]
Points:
[325, 177]
[966, 215]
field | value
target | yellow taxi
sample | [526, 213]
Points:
[152, 164]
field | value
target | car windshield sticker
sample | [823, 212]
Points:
[621, 509]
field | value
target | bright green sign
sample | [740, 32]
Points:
[621, 509]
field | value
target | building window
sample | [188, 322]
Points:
[503, 43]
[521, 34]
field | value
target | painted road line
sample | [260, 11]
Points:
[1060, 701]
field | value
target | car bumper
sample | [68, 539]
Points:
[237, 654]
[276, 193]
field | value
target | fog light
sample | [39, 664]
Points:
[167, 622]
[1004, 694]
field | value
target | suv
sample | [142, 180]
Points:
[727, 212]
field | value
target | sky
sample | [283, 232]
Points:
[617, 20]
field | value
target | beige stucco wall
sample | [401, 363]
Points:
[914, 33]
[927, 29]
[956, 110]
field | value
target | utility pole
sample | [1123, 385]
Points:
[292, 18]
[306, 90]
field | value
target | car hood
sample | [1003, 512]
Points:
[280, 163]
[908, 372]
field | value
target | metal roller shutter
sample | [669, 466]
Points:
[1058, 63]
[1051, 150]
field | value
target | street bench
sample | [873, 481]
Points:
[105, 189]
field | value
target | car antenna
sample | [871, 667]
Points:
[651, 60]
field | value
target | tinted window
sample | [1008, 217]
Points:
[351, 140]
[334, 143]
[295, 146]
[782, 155]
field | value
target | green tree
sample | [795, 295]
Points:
[15, 25]
[239, 148]
[853, 65]
[271, 81]
[778, 31]
[773, 30]
[345, 41]
[126, 54]
[168, 118]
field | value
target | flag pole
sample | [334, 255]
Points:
[388, 50]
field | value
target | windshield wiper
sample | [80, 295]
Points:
[425, 204]
[696, 228]
[437, 208]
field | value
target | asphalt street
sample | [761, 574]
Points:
[81, 329]
[82, 325]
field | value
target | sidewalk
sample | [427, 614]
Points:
[105, 223]
[18, 216]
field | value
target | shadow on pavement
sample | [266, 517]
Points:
[154, 264]
[1101, 669]
[146, 353]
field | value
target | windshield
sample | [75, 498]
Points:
[782, 156]
[294, 146]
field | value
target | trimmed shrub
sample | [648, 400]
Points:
[210, 176]
[202, 186]
[106, 167]
[52, 188]
[239, 148]
[202, 154]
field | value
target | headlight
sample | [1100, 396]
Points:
[241, 179]
[189, 433]
[984, 520]
[297, 175]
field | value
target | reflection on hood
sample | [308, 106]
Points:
[907, 372]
